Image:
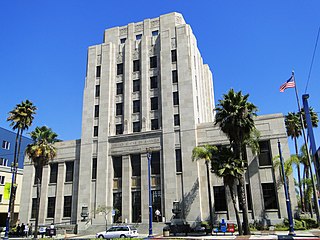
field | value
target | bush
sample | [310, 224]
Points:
[310, 222]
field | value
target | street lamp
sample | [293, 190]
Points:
[149, 191]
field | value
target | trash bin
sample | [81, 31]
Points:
[166, 231]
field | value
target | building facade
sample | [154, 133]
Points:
[147, 90]
[7, 141]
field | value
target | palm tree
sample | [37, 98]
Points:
[294, 130]
[206, 154]
[234, 115]
[313, 116]
[225, 166]
[41, 151]
[21, 118]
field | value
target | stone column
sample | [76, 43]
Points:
[60, 193]
[144, 189]
[126, 189]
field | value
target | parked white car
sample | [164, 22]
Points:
[119, 232]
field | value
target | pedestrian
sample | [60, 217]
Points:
[18, 228]
[30, 230]
[26, 230]
[158, 214]
[22, 229]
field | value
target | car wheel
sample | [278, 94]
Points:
[122, 236]
[101, 237]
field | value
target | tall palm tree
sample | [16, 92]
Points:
[205, 153]
[41, 151]
[225, 166]
[21, 118]
[294, 130]
[234, 115]
[313, 116]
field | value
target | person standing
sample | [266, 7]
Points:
[26, 230]
[22, 229]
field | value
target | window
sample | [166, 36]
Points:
[51, 207]
[0, 198]
[67, 206]
[38, 171]
[155, 163]
[97, 94]
[95, 131]
[249, 202]
[53, 173]
[117, 167]
[178, 161]
[5, 145]
[173, 55]
[98, 71]
[154, 124]
[174, 76]
[136, 206]
[136, 65]
[96, 111]
[136, 165]
[265, 155]
[117, 204]
[119, 107]
[136, 106]
[269, 196]
[156, 204]
[136, 85]
[155, 33]
[69, 171]
[136, 126]
[138, 37]
[2, 180]
[175, 98]
[94, 168]
[154, 103]
[220, 202]
[153, 62]
[119, 68]
[119, 129]
[3, 162]
[153, 82]
[119, 88]
[176, 120]
[34, 208]
[123, 40]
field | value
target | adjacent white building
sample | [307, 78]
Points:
[147, 89]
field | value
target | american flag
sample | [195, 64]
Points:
[288, 84]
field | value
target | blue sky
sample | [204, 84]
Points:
[249, 45]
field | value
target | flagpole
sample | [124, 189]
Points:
[315, 195]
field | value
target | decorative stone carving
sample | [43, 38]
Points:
[136, 54]
[138, 27]
[179, 19]
[123, 31]
[151, 51]
[173, 43]
[120, 58]
[135, 75]
[155, 23]
[99, 59]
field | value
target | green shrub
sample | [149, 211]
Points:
[310, 222]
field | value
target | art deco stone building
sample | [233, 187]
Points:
[147, 89]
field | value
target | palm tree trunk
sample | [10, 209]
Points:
[236, 210]
[209, 194]
[246, 229]
[38, 176]
[299, 176]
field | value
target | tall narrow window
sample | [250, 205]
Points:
[265, 154]
[94, 168]
[220, 201]
[1, 198]
[136, 85]
[3, 161]
[138, 37]
[175, 98]
[173, 55]
[117, 167]
[96, 111]
[153, 82]
[136, 106]
[136, 165]
[154, 103]
[51, 207]
[98, 71]
[136, 127]
[34, 208]
[136, 65]
[154, 124]
[174, 76]
[269, 196]
[5, 145]
[119, 129]
[67, 206]
[97, 93]
[119, 109]
[119, 88]
[119, 68]
[176, 120]
[2, 180]
[153, 62]
[53, 173]
[69, 171]
[95, 131]
[117, 204]
[155, 33]
[178, 161]
[136, 206]
[155, 163]
[123, 40]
